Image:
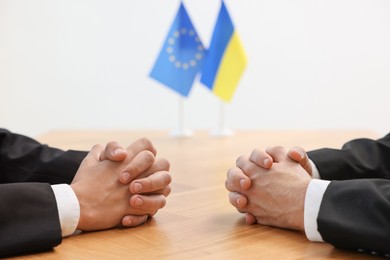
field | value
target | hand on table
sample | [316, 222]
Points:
[270, 187]
[121, 186]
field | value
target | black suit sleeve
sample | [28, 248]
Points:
[28, 210]
[23, 159]
[355, 209]
[360, 158]
[29, 219]
[355, 214]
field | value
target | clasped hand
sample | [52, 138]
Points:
[117, 186]
[270, 186]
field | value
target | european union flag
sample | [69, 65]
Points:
[181, 56]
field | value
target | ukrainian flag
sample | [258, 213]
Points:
[226, 59]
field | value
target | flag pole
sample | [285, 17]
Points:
[222, 130]
[181, 130]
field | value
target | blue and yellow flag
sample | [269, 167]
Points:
[226, 59]
[181, 56]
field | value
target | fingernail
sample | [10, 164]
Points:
[128, 221]
[137, 187]
[238, 201]
[266, 162]
[118, 151]
[301, 154]
[138, 202]
[242, 183]
[145, 218]
[125, 176]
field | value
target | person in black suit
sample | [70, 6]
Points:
[47, 193]
[338, 196]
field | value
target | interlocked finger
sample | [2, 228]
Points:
[147, 204]
[141, 162]
[237, 180]
[151, 183]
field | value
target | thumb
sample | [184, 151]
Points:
[250, 219]
[299, 155]
[95, 152]
[113, 152]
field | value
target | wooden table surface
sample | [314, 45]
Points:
[198, 222]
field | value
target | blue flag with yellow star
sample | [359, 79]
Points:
[181, 56]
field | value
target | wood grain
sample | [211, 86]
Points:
[198, 222]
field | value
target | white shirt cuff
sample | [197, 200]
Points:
[314, 194]
[68, 208]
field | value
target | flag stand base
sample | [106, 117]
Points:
[224, 132]
[180, 132]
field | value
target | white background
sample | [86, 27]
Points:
[84, 64]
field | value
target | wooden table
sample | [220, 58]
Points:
[198, 222]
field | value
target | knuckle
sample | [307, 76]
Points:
[239, 159]
[233, 174]
[278, 147]
[256, 152]
[246, 167]
[241, 210]
[271, 149]
[229, 172]
[163, 164]
[146, 143]
[167, 179]
[231, 196]
[167, 190]
[229, 186]
[163, 201]
[112, 144]
[148, 156]
[257, 156]
[97, 146]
